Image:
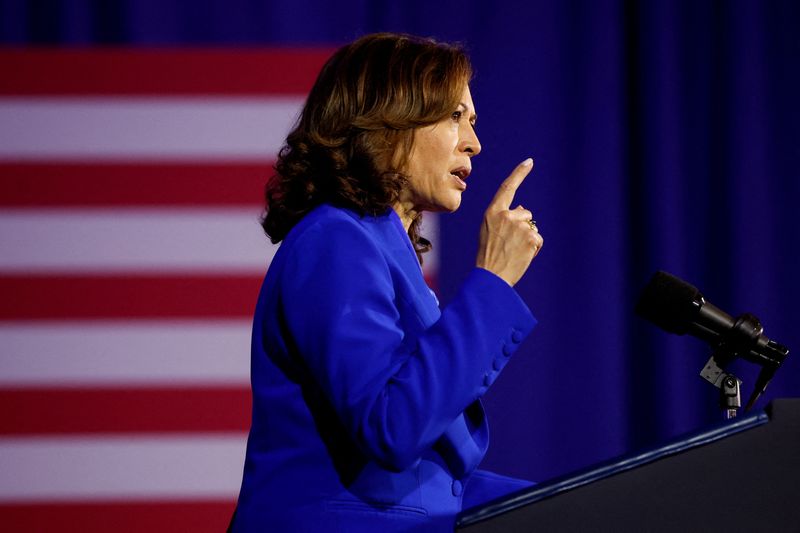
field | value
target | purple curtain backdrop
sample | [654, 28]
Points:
[665, 136]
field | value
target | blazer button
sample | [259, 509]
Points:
[516, 336]
[507, 350]
[487, 380]
[457, 488]
[497, 364]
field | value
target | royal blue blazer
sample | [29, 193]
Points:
[366, 396]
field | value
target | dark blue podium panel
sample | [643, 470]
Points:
[743, 475]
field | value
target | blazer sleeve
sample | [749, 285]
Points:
[395, 396]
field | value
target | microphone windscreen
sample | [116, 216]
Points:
[669, 302]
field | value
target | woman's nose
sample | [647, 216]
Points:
[469, 142]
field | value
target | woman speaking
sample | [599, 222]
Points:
[366, 396]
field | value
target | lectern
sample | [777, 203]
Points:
[740, 476]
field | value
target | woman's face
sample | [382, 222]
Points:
[439, 162]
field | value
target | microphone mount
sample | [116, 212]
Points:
[676, 306]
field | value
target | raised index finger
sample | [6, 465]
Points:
[505, 193]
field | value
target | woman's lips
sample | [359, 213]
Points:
[461, 184]
[460, 175]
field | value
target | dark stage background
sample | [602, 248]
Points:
[665, 136]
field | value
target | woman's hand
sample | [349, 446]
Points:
[509, 240]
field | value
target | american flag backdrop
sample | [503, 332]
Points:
[130, 260]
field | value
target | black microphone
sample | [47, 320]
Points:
[678, 307]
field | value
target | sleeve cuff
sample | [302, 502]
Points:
[507, 301]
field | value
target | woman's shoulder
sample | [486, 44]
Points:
[330, 224]
[330, 239]
[327, 214]
[324, 222]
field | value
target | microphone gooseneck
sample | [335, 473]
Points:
[678, 307]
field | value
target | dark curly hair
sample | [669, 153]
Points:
[357, 128]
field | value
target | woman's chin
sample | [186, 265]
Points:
[444, 205]
[453, 202]
[450, 207]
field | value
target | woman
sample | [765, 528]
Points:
[366, 410]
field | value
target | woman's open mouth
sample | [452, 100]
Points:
[460, 175]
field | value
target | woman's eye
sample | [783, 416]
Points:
[456, 115]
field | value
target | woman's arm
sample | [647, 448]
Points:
[395, 396]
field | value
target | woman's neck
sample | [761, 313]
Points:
[406, 211]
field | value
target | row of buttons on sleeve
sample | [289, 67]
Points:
[497, 364]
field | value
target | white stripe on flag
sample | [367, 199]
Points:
[114, 354]
[196, 128]
[133, 239]
[113, 468]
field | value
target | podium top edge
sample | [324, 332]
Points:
[618, 465]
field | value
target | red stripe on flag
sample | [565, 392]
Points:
[118, 296]
[133, 184]
[159, 71]
[120, 517]
[37, 411]
[430, 281]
